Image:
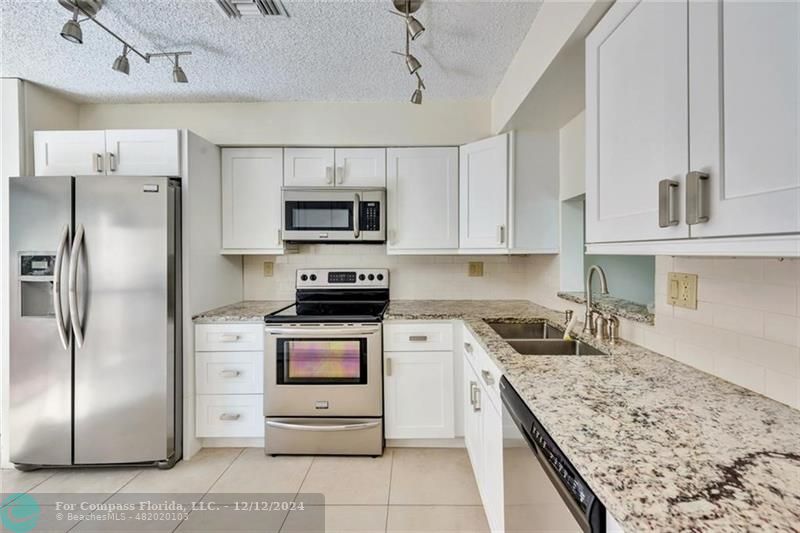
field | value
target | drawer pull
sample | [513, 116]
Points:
[418, 338]
[229, 337]
[388, 366]
[230, 416]
[487, 377]
[467, 347]
[231, 373]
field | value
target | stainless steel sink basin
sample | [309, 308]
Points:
[553, 347]
[531, 330]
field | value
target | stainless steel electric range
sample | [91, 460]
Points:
[323, 365]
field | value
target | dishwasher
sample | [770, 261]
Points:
[542, 490]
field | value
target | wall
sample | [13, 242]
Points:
[630, 277]
[45, 110]
[304, 123]
[412, 277]
[572, 157]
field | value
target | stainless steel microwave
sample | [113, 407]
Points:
[334, 214]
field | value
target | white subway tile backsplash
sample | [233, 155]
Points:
[701, 315]
[782, 388]
[741, 372]
[774, 355]
[782, 328]
[739, 319]
[748, 270]
[782, 271]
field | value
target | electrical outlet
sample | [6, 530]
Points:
[476, 269]
[269, 269]
[682, 290]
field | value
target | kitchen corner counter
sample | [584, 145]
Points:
[666, 447]
[246, 311]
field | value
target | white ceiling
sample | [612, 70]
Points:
[334, 50]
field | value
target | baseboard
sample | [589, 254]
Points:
[232, 442]
[457, 442]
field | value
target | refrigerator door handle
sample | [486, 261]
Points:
[61, 324]
[77, 329]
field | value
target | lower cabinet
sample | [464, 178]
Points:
[230, 415]
[483, 437]
[418, 393]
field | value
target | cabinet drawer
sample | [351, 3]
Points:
[230, 415]
[229, 372]
[485, 369]
[418, 336]
[229, 337]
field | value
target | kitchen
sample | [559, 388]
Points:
[547, 280]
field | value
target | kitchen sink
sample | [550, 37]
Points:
[531, 330]
[553, 347]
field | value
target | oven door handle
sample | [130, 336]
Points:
[299, 333]
[306, 427]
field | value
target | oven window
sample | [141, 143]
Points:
[319, 216]
[322, 361]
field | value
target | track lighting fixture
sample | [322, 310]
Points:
[178, 76]
[121, 63]
[414, 29]
[72, 29]
[72, 32]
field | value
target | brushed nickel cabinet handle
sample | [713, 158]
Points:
[487, 377]
[697, 198]
[339, 175]
[668, 203]
[329, 175]
[112, 162]
[230, 416]
[418, 338]
[468, 347]
[231, 373]
[97, 164]
[229, 337]
[387, 365]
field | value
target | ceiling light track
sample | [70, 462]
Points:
[72, 32]
[414, 29]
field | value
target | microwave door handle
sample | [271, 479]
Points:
[356, 216]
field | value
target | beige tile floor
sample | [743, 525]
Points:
[406, 490]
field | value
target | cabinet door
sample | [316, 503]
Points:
[492, 486]
[69, 153]
[143, 152]
[745, 115]
[483, 194]
[473, 426]
[308, 167]
[636, 119]
[360, 167]
[422, 193]
[251, 199]
[418, 390]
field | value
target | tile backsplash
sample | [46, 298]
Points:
[746, 328]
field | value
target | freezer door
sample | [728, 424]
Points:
[40, 365]
[124, 363]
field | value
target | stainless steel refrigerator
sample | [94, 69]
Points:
[95, 316]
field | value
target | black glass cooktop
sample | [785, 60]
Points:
[329, 312]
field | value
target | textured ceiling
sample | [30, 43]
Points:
[334, 50]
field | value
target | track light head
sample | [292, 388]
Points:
[412, 63]
[178, 75]
[415, 27]
[416, 98]
[121, 63]
[71, 31]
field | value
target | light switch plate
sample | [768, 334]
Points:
[269, 269]
[476, 269]
[682, 290]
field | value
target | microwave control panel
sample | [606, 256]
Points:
[370, 216]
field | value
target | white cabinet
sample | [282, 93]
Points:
[422, 196]
[120, 152]
[360, 167]
[229, 380]
[331, 167]
[483, 195]
[143, 152]
[251, 200]
[418, 392]
[308, 167]
[419, 389]
[473, 425]
[744, 88]
[69, 153]
[636, 119]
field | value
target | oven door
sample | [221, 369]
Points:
[323, 370]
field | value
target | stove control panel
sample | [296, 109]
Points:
[367, 278]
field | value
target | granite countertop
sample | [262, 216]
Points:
[616, 306]
[666, 447]
[246, 311]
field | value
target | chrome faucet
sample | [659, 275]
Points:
[589, 325]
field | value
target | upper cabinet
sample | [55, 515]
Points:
[334, 167]
[422, 196]
[636, 120]
[106, 152]
[483, 193]
[251, 200]
[693, 128]
[744, 89]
